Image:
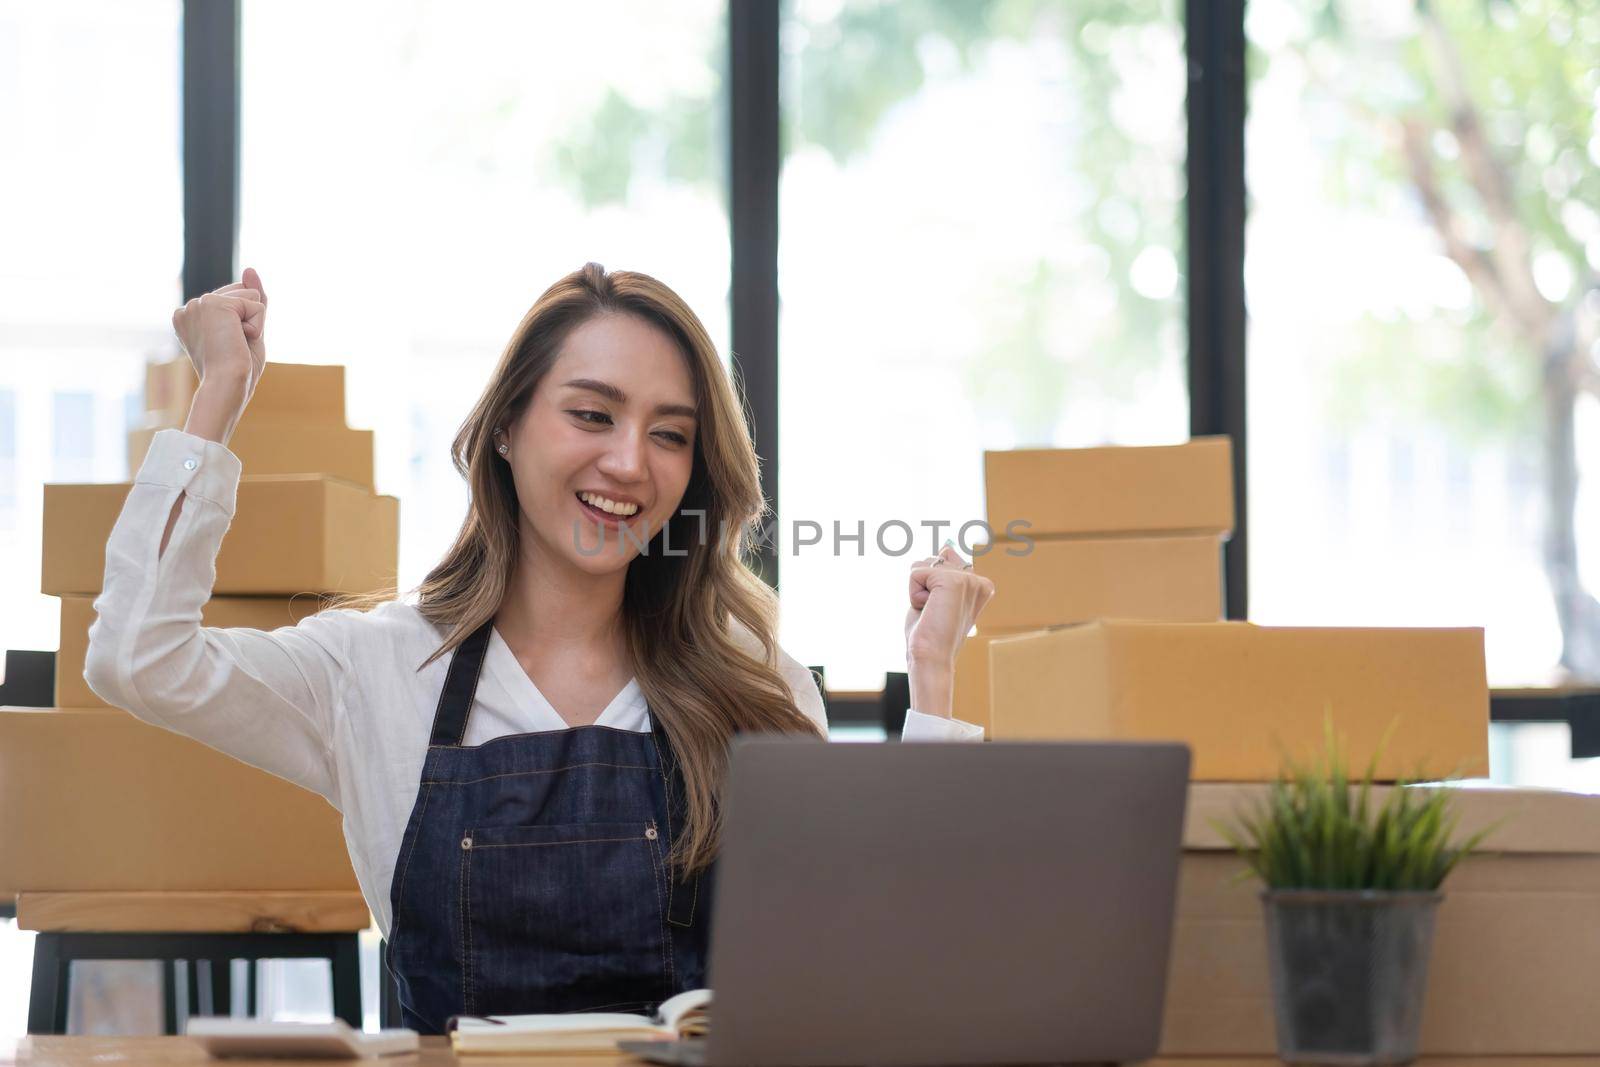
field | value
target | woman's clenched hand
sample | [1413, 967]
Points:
[946, 597]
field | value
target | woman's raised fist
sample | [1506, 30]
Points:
[222, 332]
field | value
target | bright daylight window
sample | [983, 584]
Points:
[980, 228]
[1424, 288]
[90, 260]
[415, 175]
[91, 211]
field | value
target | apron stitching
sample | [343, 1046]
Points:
[693, 900]
[497, 741]
[551, 770]
[467, 997]
[661, 914]
[549, 844]
[666, 791]
[400, 893]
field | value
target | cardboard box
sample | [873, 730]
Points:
[291, 533]
[297, 392]
[1064, 580]
[1516, 955]
[97, 800]
[283, 447]
[77, 615]
[971, 695]
[1240, 695]
[1167, 488]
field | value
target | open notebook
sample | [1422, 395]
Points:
[685, 1015]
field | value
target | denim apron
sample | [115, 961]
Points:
[533, 874]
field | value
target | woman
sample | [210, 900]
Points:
[532, 817]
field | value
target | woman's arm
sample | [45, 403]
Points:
[946, 598]
[267, 698]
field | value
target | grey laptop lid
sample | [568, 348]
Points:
[944, 903]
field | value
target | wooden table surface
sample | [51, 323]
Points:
[160, 1051]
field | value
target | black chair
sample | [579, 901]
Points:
[200, 954]
[30, 680]
[896, 702]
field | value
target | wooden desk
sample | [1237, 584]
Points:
[168, 1051]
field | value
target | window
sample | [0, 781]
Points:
[415, 176]
[1423, 240]
[91, 209]
[8, 459]
[981, 225]
[72, 452]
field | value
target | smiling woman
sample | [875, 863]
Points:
[528, 753]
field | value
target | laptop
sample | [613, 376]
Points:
[941, 904]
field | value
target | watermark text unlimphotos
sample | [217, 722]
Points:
[892, 537]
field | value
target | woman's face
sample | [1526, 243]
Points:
[606, 441]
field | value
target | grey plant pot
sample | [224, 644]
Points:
[1349, 972]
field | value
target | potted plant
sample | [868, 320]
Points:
[1351, 888]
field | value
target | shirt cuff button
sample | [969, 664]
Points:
[189, 464]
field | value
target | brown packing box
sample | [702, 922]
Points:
[1120, 489]
[1062, 580]
[971, 695]
[1242, 695]
[1516, 954]
[298, 392]
[283, 447]
[77, 615]
[97, 800]
[291, 533]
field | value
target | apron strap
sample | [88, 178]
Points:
[460, 684]
[682, 894]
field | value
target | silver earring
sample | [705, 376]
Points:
[504, 450]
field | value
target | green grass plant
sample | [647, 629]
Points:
[1316, 829]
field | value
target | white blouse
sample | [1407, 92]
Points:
[334, 704]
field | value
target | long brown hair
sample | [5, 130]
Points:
[701, 683]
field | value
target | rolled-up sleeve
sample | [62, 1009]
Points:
[267, 698]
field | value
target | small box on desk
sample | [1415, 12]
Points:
[1079, 491]
[1242, 695]
[1050, 581]
[77, 615]
[1516, 948]
[98, 800]
[291, 533]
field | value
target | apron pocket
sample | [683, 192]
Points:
[564, 918]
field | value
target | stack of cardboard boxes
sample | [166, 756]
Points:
[1098, 533]
[1127, 644]
[110, 802]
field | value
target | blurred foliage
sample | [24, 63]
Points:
[1459, 377]
[1530, 70]
[1020, 376]
[846, 73]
